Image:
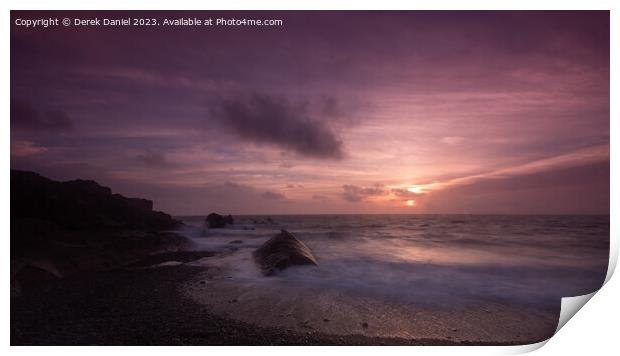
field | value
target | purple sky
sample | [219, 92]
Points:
[334, 112]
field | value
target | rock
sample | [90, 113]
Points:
[217, 221]
[365, 325]
[236, 242]
[30, 277]
[79, 225]
[281, 251]
[81, 205]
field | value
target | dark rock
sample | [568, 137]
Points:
[80, 226]
[281, 251]
[217, 221]
[236, 242]
[81, 205]
[365, 325]
[31, 277]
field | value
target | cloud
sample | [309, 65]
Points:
[404, 193]
[320, 197]
[25, 148]
[270, 120]
[153, 159]
[354, 193]
[563, 189]
[331, 107]
[24, 116]
[579, 157]
[273, 195]
[452, 140]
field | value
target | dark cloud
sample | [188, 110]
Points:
[354, 193]
[266, 119]
[331, 107]
[24, 116]
[273, 195]
[154, 159]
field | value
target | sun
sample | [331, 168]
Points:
[410, 202]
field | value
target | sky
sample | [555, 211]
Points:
[333, 112]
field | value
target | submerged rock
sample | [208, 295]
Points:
[217, 221]
[281, 251]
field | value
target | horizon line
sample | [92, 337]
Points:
[383, 214]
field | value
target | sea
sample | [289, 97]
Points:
[436, 261]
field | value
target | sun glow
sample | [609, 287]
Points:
[410, 202]
[415, 189]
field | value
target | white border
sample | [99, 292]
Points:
[593, 329]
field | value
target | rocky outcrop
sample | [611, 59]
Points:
[217, 221]
[81, 205]
[77, 226]
[282, 251]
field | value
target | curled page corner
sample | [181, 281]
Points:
[570, 307]
[613, 258]
[523, 349]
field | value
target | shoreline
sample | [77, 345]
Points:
[142, 305]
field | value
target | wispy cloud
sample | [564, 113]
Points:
[452, 140]
[25, 148]
[273, 195]
[26, 117]
[576, 158]
[154, 159]
[354, 193]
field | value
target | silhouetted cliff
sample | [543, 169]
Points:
[62, 228]
[81, 205]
